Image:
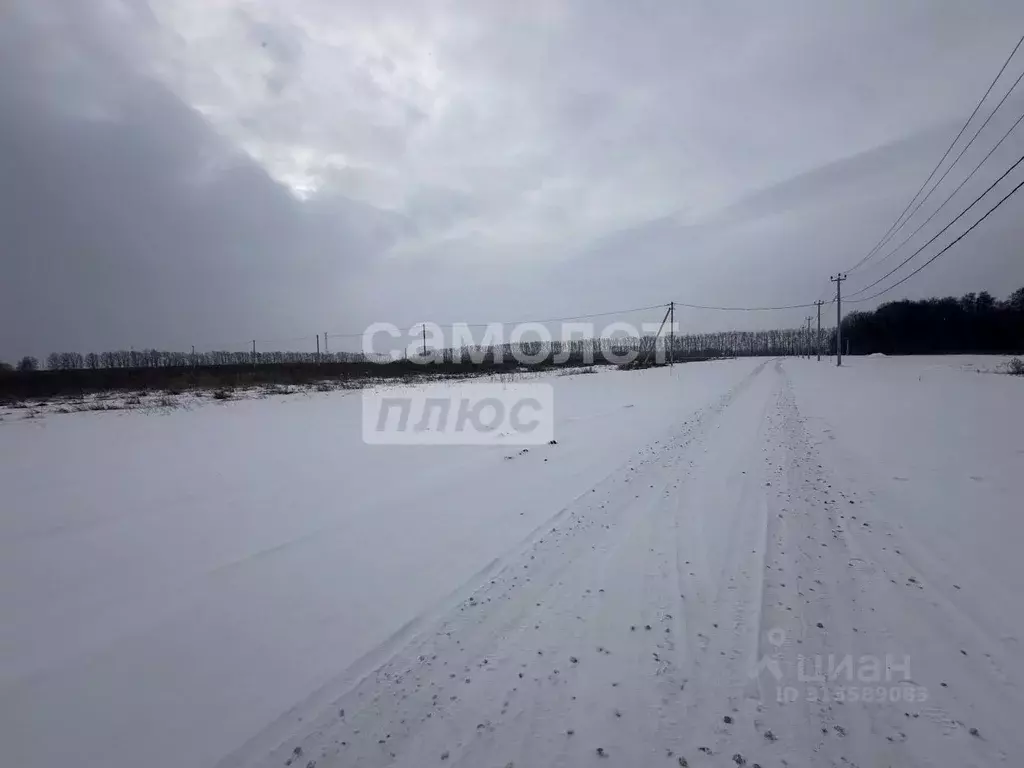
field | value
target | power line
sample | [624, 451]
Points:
[599, 314]
[743, 309]
[1006, 197]
[936, 235]
[958, 188]
[285, 341]
[896, 224]
[578, 317]
[341, 335]
[967, 146]
[522, 322]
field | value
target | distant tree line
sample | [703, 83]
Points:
[970, 324]
[574, 352]
[685, 347]
[156, 358]
[75, 374]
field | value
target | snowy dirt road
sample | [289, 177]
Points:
[689, 608]
[742, 562]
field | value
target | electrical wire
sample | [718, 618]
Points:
[897, 224]
[958, 187]
[521, 322]
[903, 279]
[967, 146]
[743, 309]
[936, 235]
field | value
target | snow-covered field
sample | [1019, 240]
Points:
[248, 584]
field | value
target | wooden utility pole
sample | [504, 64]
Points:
[326, 350]
[817, 340]
[654, 344]
[838, 280]
[424, 341]
[318, 349]
[254, 354]
[671, 332]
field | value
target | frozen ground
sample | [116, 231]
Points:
[247, 584]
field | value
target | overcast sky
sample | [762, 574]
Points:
[207, 172]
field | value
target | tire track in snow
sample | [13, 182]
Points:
[579, 641]
[635, 622]
[893, 596]
[838, 585]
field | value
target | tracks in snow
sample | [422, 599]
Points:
[631, 627]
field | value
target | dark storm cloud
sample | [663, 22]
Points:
[185, 172]
[127, 221]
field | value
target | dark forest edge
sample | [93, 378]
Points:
[972, 323]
